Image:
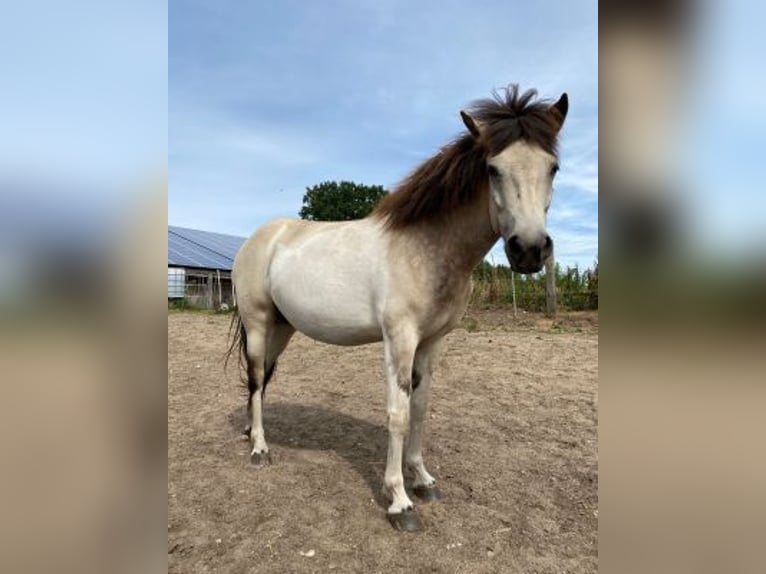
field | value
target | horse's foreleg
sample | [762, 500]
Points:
[400, 352]
[425, 361]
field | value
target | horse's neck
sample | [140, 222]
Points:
[464, 236]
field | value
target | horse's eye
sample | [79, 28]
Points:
[554, 170]
[492, 171]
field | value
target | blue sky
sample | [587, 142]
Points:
[268, 98]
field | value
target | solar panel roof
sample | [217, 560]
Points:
[203, 249]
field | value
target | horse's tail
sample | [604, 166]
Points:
[238, 344]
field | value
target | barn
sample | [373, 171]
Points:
[199, 267]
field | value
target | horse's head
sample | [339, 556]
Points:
[519, 138]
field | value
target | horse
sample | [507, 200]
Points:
[402, 275]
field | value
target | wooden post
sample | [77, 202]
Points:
[513, 293]
[550, 286]
[220, 294]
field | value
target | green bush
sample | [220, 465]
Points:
[575, 290]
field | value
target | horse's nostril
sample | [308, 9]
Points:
[514, 245]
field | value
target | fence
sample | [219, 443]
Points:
[530, 296]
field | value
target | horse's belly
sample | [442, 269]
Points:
[330, 298]
[330, 320]
[340, 334]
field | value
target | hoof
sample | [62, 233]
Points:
[428, 493]
[407, 521]
[260, 458]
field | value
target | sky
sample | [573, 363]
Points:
[269, 98]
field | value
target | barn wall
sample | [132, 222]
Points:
[202, 288]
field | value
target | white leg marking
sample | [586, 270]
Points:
[257, 438]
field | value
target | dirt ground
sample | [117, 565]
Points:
[511, 439]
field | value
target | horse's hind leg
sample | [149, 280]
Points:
[424, 485]
[257, 378]
[266, 339]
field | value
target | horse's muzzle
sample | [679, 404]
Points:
[528, 257]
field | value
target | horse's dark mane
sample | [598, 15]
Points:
[457, 173]
[445, 181]
[510, 116]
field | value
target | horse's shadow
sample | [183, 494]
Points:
[363, 444]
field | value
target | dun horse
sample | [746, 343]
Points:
[403, 274]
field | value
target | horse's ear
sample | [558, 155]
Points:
[471, 124]
[559, 110]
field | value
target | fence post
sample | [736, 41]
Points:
[513, 292]
[220, 292]
[550, 286]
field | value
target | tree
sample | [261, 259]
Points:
[340, 201]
